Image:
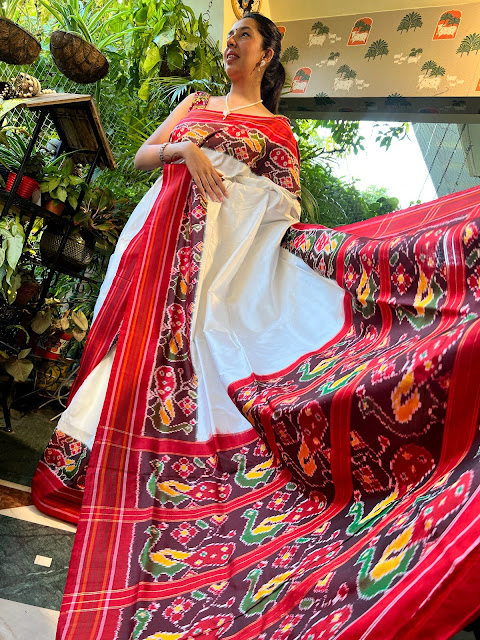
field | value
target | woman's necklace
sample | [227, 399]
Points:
[227, 109]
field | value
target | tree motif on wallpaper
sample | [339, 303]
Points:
[360, 32]
[319, 33]
[432, 77]
[469, 43]
[333, 57]
[412, 20]
[414, 55]
[345, 81]
[289, 55]
[447, 25]
[377, 48]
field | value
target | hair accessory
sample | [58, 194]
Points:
[160, 152]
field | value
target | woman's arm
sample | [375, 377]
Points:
[207, 179]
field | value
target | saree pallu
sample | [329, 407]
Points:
[287, 443]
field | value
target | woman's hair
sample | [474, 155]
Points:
[274, 76]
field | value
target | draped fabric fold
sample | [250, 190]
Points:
[287, 442]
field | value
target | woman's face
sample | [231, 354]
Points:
[244, 50]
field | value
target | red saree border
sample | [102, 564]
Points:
[127, 393]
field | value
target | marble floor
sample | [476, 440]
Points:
[34, 548]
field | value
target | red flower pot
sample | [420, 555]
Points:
[49, 347]
[26, 187]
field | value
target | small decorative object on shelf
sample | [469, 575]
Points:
[26, 86]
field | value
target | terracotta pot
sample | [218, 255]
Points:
[26, 292]
[17, 46]
[57, 209]
[76, 58]
[26, 187]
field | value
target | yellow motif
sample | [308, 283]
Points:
[363, 289]
[378, 508]
[268, 524]
[165, 635]
[69, 464]
[258, 470]
[270, 586]
[393, 555]
[169, 557]
[404, 411]
[421, 300]
[173, 488]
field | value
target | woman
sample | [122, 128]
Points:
[336, 496]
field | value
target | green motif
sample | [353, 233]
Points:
[363, 522]
[160, 426]
[255, 603]
[255, 476]
[364, 302]
[165, 491]
[317, 371]
[198, 595]
[142, 617]
[267, 528]
[373, 580]
[430, 310]
[74, 471]
[164, 562]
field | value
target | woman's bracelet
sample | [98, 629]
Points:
[161, 151]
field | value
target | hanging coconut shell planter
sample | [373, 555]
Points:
[17, 45]
[76, 58]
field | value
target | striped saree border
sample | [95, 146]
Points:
[124, 405]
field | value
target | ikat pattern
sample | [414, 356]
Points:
[362, 463]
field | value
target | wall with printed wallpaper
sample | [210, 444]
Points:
[422, 60]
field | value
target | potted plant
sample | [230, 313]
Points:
[17, 45]
[55, 326]
[11, 156]
[62, 184]
[104, 215]
[84, 26]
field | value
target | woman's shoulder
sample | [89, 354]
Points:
[199, 100]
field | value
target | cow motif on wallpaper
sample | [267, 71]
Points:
[318, 34]
[360, 32]
[447, 26]
[301, 80]
[432, 75]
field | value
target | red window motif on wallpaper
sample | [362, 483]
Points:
[447, 26]
[360, 32]
[281, 29]
[301, 80]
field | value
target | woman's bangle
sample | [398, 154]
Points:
[161, 151]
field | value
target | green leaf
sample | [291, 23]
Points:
[151, 59]
[42, 321]
[141, 15]
[19, 369]
[53, 183]
[61, 194]
[144, 90]
[164, 38]
[200, 69]
[187, 46]
[14, 250]
[73, 200]
[174, 57]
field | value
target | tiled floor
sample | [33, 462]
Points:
[34, 548]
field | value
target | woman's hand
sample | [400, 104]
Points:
[206, 177]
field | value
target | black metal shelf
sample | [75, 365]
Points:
[30, 208]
